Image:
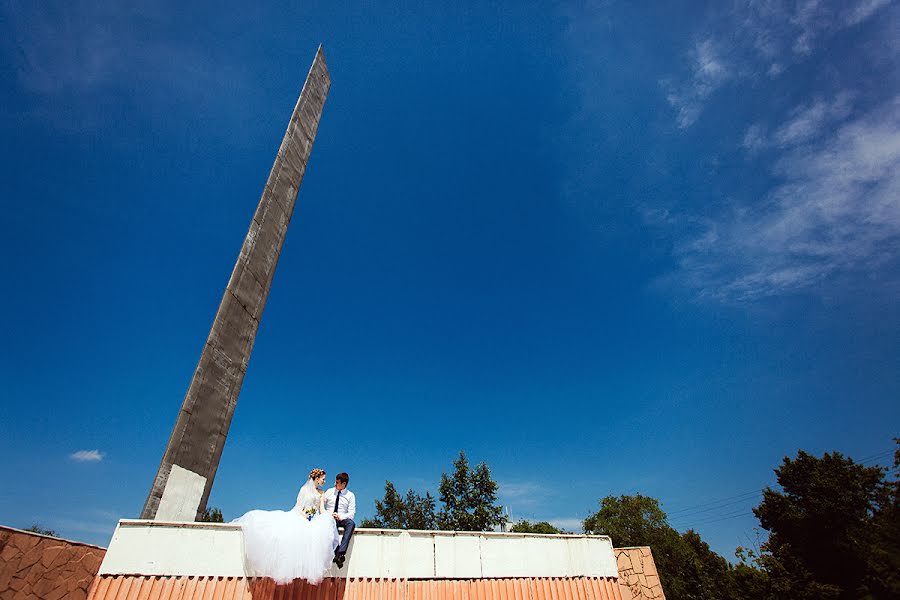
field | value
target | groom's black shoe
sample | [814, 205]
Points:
[339, 560]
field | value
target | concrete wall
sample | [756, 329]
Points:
[214, 549]
[638, 579]
[39, 566]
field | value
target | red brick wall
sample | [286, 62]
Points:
[37, 566]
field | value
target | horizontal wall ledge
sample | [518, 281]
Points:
[140, 547]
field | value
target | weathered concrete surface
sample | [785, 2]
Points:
[39, 566]
[202, 425]
[638, 578]
[216, 549]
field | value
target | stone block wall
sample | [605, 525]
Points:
[39, 566]
[638, 579]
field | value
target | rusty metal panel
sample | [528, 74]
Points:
[128, 587]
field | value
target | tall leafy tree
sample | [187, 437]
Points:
[883, 576]
[688, 568]
[396, 512]
[469, 497]
[824, 525]
[638, 520]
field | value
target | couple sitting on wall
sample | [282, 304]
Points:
[302, 542]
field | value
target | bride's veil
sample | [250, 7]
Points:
[308, 496]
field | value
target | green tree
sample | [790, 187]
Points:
[749, 579]
[35, 528]
[883, 576]
[469, 497]
[395, 512]
[688, 568]
[389, 511]
[211, 515]
[823, 524]
[638, 520]
[420, 511]
[538, 527]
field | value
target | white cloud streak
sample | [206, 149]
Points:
[709, 72]
[572, 524]
[761, 37]
[859, 12]
[522, 495]
[836, 210]
[808, 121]
[87, 456]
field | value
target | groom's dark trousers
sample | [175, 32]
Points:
[348, 526]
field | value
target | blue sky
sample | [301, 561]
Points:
[606, 248]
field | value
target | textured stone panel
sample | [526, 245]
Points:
[38, 566]
[638, 578]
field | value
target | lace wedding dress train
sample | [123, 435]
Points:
[286, 545]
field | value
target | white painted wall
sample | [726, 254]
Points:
[216, 549]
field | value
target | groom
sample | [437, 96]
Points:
[342, 504]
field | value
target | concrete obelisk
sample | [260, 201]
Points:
[184, 480]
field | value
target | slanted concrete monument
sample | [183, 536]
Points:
[184, 480]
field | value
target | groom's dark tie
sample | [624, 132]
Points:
[337, 497]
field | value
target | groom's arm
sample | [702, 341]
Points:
[351, 506]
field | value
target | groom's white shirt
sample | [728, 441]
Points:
[347, 503]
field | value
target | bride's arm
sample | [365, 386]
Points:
[322, 503]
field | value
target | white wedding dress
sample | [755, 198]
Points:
[286, 545]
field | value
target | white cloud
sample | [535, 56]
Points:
[808, 121]
[859, 12]
[522, 495]
[94, 49]
[87, 456]
[754, 139]
[804, 124]
[775, 69]
[709, 72]
[572, 524]
[836, 211]
[761, 37]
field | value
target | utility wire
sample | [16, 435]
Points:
[693, 514]
[684, 515]
[690, 508]
[725, 518]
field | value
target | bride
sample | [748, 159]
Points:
[286, 545]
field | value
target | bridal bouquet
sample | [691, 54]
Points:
[310, 512]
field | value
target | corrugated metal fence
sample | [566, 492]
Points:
[135, 587]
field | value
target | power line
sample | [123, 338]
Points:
[684, 515]
[725, 518]
[692, 514]
[719, 504]
[876, 457]
[690, 508]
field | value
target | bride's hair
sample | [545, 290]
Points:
[315, 473]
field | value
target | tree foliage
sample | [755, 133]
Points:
[537, 527]
[638, 520]
[211, 515]
[35, 528]
[468, 496]
[396, 512]
[833, 529]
